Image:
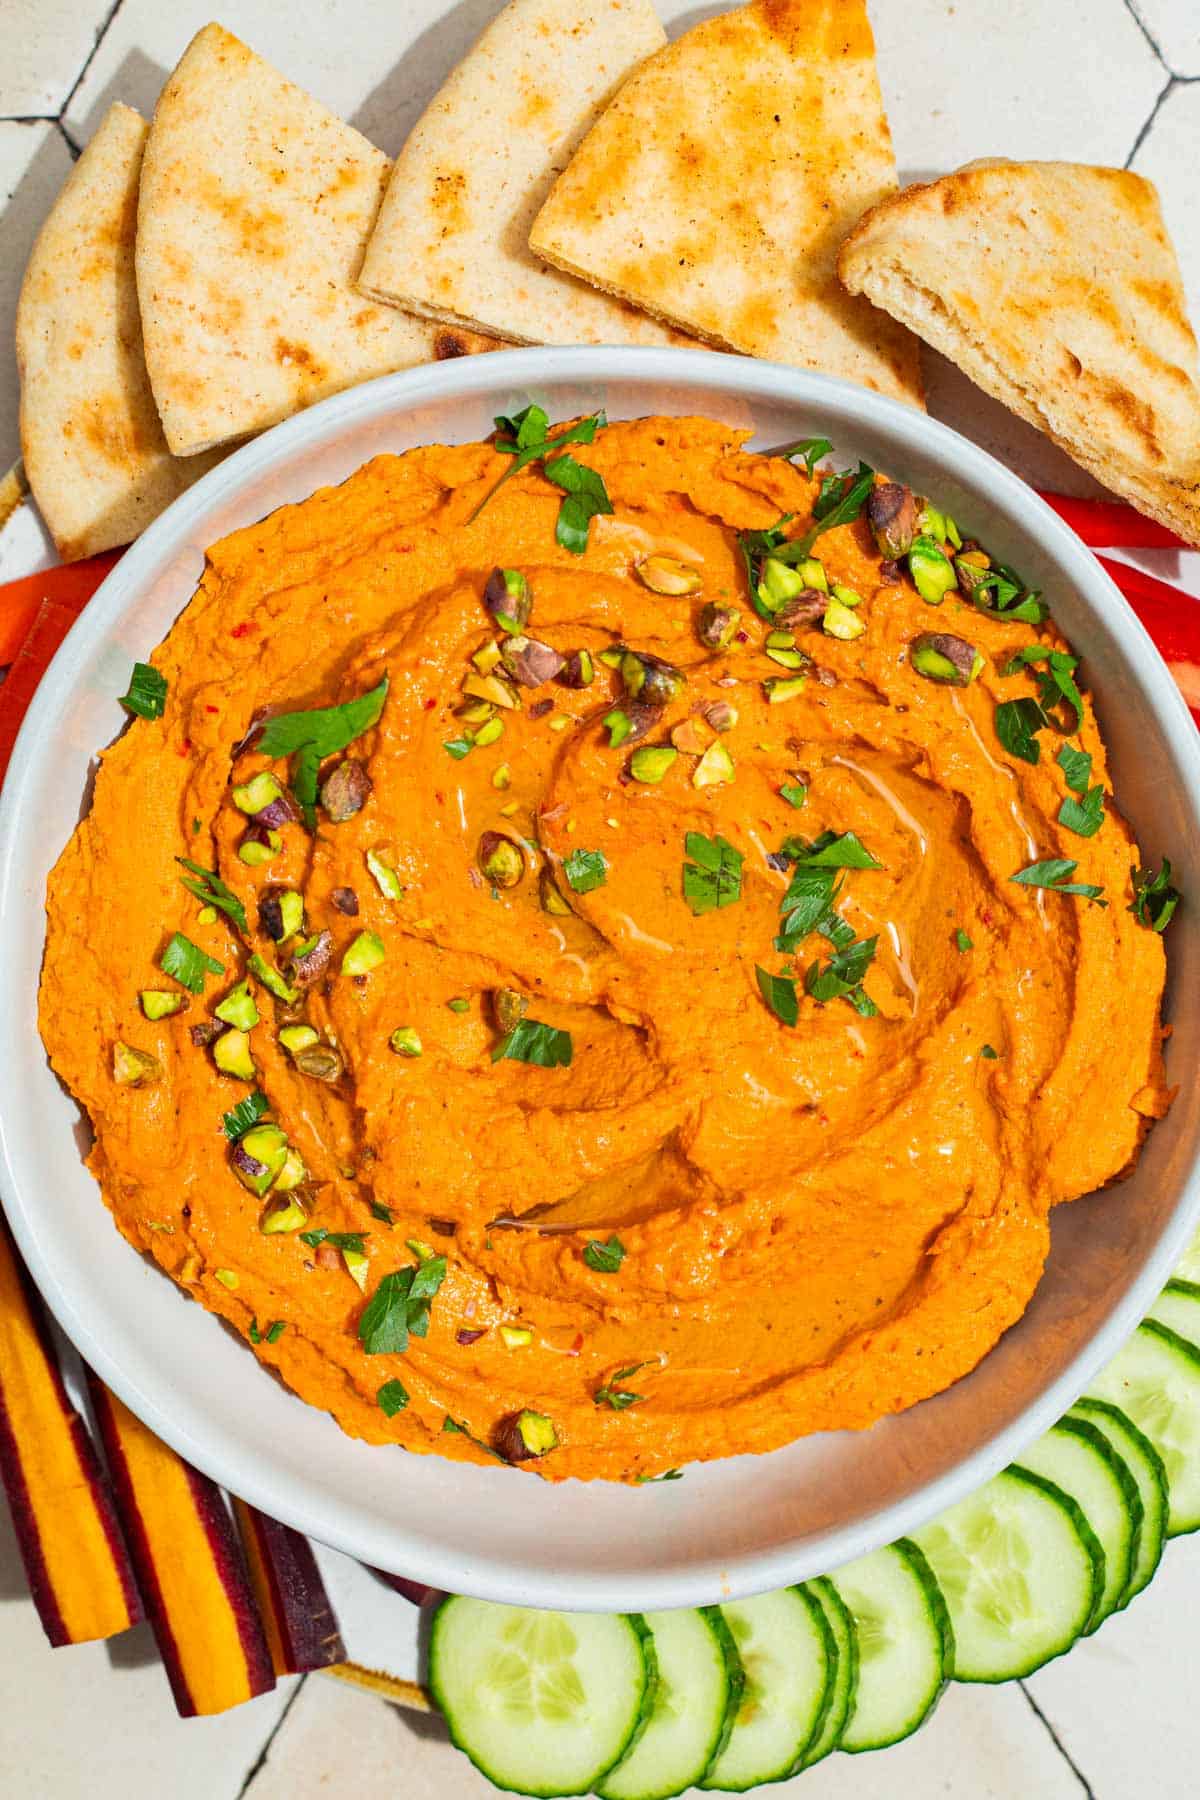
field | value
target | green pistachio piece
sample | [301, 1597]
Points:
[231, 1053]
[842, 622]
[650, 763]
[405, 1041]
[238, 1008]
[931, 570]
[134, 1068]
[157, 1005]
[253, 795]
[365, 953]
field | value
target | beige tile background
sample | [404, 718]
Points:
[1095, 80]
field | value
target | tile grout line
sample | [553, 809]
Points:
[101, 33]
[263, 1754]
[1171, 83]
[1078, 1773]
[68, 140]
[1131, 8]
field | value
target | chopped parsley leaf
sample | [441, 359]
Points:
[392, 1398]
[779, 992]
[312, 736]
[713, 877]
[531, 1042]
[399, 1308]
[620, 1398]
[605, 1258]
[585, 870]
[147, 695]
[210, 890]
[1154, 899]
[1076, 766]
[1055, 873]
[962, 942]
[246, 1113]
[339, 1240]
[187, 964]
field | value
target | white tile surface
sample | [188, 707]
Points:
[1123, 1698]
[979, 1745]
[1174, 28]
[45, 47]
[1170, 157]
[34, 163]
[97, 1722]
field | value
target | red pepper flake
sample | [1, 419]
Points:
[185, 749]
[986, 917]
[431, 703]
[212, 708]
[743, 637]
[439, 797]
[577, 1346]
[246, 627]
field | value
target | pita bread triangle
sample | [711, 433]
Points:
[1055, 287]
[716, 188]
[256, 205]
[452, 240]
[94, 450]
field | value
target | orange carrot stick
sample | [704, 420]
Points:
[210, 1636]
[79, 1570]
[302, 1628]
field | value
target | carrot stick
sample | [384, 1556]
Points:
[190, 1566]
[301, 1625]
[80, 1575]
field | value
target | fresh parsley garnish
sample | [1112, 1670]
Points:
[986, 1050]
[254, 1334]
[379, 1211]
[620, 1398]
[962, 942]
[392, 1398]
[399, 1308]
[147, 695]
[1056, 683]
[667, 1475]
[524, 438]
[455, 1427]
[842, 976]
[1076, 766]
[246, 1113]
[210, 890]
[605, 1258]
[1017, 725]
[1055, 873]
[187, 964]
[271, 1335]
[1083, 817]
[338, 1240]
[808, 903]
[312, 736]
[713, 876]
[458, 747]
[1154, 899]
[840, 500]
[795, 793]
[1009, 596]
[531, 1042]
[832, 850]
[779, 992]
[585, 870]
[809, 450]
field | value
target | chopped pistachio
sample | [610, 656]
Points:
[320, 1061]
[516, 1337]
[489, 733]
[459, 1004]
[612, 658]
[271, 979]
[227, 1277]
[492, 688]
[650, 679]
[385, 876]
[559, 722]
[509, 1008]
[692, 736]
[847, 595]
[477, 713]
[666, 575]
[291, 912]
[650, 764]
[778, 582]
[552, 900]
[931, 570]
[715, 766]
[534, 1434]
[405, 1041]
[231, 1053]
[486, 658]
[365, 953]
[288, 1217]
[812, 573]
[259, 792]
[721, 716]
[356, 1267]
[789, 659]
[297, 1037]
[421, 1249]
[254, 854]
[508, 599]
[619, 726]
[778, 690]
[716, 625]
[500, 860]
[238, 1008]
[892, 517]
[942, 657]
[502, 777]
[781, 640]
[134, 1068]
[158, 1005]
[259, 1156]
[510, 811]
[207, 915]
[842, 622]
[579, 671]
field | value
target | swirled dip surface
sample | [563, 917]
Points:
[821, 1222]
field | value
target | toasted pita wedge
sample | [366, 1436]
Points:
[1055, 287]
[717, 186]
[256, 205]
[95, 454]
[452, 240]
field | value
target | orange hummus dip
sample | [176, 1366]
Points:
[621, 1109]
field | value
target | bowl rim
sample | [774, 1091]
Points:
[208, 1444]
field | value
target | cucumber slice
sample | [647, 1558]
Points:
[1178, 1306]
[699, 1689]
[845, 1682]
[790, 1659]
[543, 1703]
[1188, 1266]
[1146, 1466]
[1156, 1380]
[905, 1644]
[1021, 1570]
[1079, 1459]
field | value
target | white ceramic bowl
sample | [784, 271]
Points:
[731, 1527]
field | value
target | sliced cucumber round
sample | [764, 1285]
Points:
[845, 1682]
[1146, 1467]
[1078, 1458]
[1188, 1266]
[543, 1703]
[1155, 1378]
[789, 1657]
[1178, 1306]
[905, 1643]
[1021, 1570]
[699, 1688]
